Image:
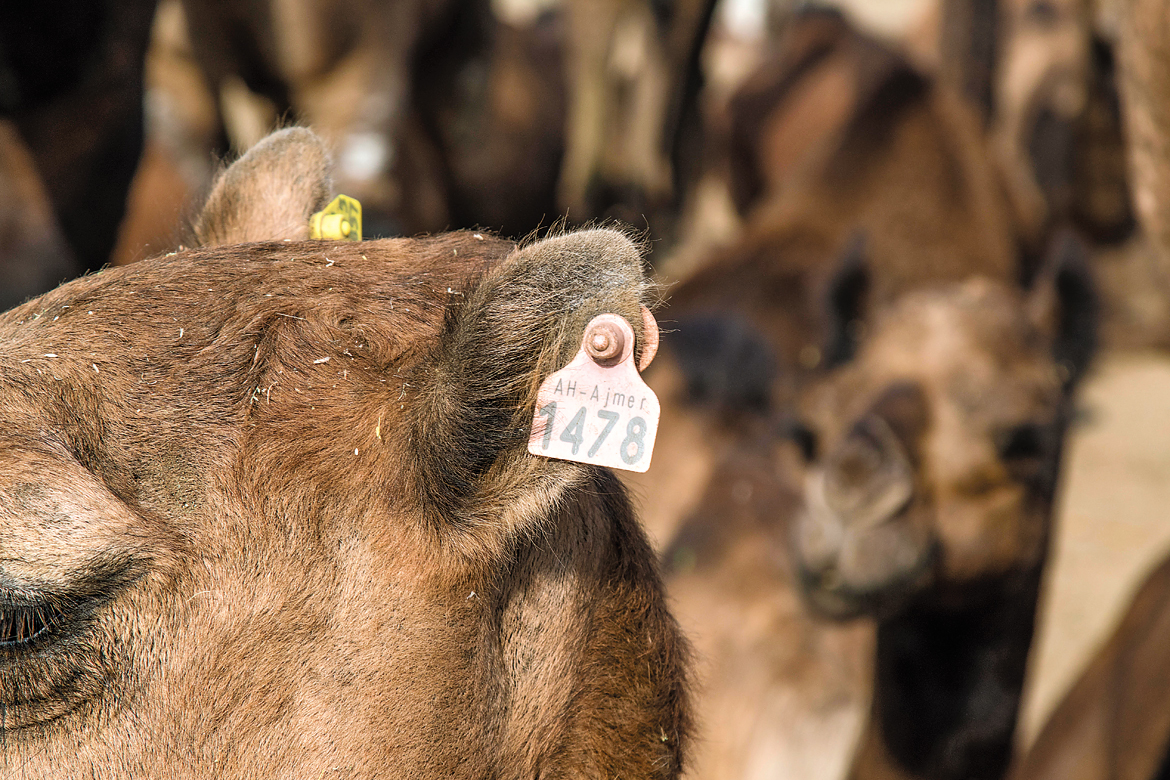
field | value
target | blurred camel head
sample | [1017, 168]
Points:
[933, 454]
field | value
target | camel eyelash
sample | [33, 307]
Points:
[26, 619]
[21, 625]
[29, 619]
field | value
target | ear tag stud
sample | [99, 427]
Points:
[341, 220]
[597, 409]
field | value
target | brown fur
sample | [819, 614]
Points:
[1115, 721]
[968, 43]
[275, 504]
[258, 199]
[1057, 125]
[796, 103]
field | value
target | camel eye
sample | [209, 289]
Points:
[1023, 442]
[1023, 450]
[804, 438]
[20, 625]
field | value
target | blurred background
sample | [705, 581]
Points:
[688, 120]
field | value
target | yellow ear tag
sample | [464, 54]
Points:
[341, 220]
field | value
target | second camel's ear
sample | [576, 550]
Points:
[1064, 305]
[270, 193]
[845, 301]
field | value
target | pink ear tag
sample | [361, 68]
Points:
[597, 409]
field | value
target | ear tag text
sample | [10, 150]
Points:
[341, 220]
[597, 409]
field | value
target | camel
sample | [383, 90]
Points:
[1057, 124]
[1114, 722]
[903, 180]
[950, 533]
[268, 511]
[934, 461]
[901, 201]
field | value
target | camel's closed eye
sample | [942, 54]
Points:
[53, 652]
[23, 624]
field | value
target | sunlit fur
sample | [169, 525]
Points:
[282, 494]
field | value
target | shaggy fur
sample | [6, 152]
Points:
[274, 504]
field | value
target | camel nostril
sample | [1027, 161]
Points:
[868, 478]
[805, 439]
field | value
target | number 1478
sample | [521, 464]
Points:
[631, 448]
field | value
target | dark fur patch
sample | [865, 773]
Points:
[1078, 307]
[1163, 772]
[1051, 152]
[948, 684]
[1102, 204]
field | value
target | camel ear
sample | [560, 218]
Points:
[270, 193]
[1065, 307]
[524, 319]
[845, 302]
